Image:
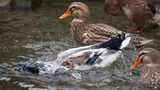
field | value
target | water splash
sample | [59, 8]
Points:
[106, 58]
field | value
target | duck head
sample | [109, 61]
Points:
[78, 10]
[113, 7]
[149, 57]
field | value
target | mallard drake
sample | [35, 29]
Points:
[82, 31]
[98, 53]
[151, 70]
[139, 12]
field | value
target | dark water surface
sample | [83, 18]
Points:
[39, 35]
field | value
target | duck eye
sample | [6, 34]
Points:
[143, 53]
[72, 9]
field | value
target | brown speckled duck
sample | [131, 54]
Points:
[82, 31]
[139, 12]
[151, 69]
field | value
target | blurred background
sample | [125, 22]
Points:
[31, 30]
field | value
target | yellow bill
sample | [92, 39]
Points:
[65, 15]
[136, 63]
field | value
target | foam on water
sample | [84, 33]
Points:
[50, 67]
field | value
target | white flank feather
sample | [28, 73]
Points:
[108, 59]
[69, 52]
[125, 43]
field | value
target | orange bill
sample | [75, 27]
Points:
[136, 63]
[65, 15]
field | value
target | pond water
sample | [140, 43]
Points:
[39, 35]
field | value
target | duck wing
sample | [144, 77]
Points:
[100, 33]
[104, 29]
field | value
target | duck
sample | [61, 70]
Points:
[84, 32]
[139, 12]
[97, 53]
[150, 58]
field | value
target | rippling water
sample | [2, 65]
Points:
[39, 35]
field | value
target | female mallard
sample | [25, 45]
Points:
[151, 69]
[82, 31]
[139, 12]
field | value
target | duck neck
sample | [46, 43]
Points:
[79, 20]
[78, 28]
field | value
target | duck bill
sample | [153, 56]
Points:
[136, 63]
[65, 15]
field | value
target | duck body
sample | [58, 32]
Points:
[98, 54]
[82, 31]
[139, 12]
[150, 75]
[86, 33]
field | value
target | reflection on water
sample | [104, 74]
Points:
[39, 35]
